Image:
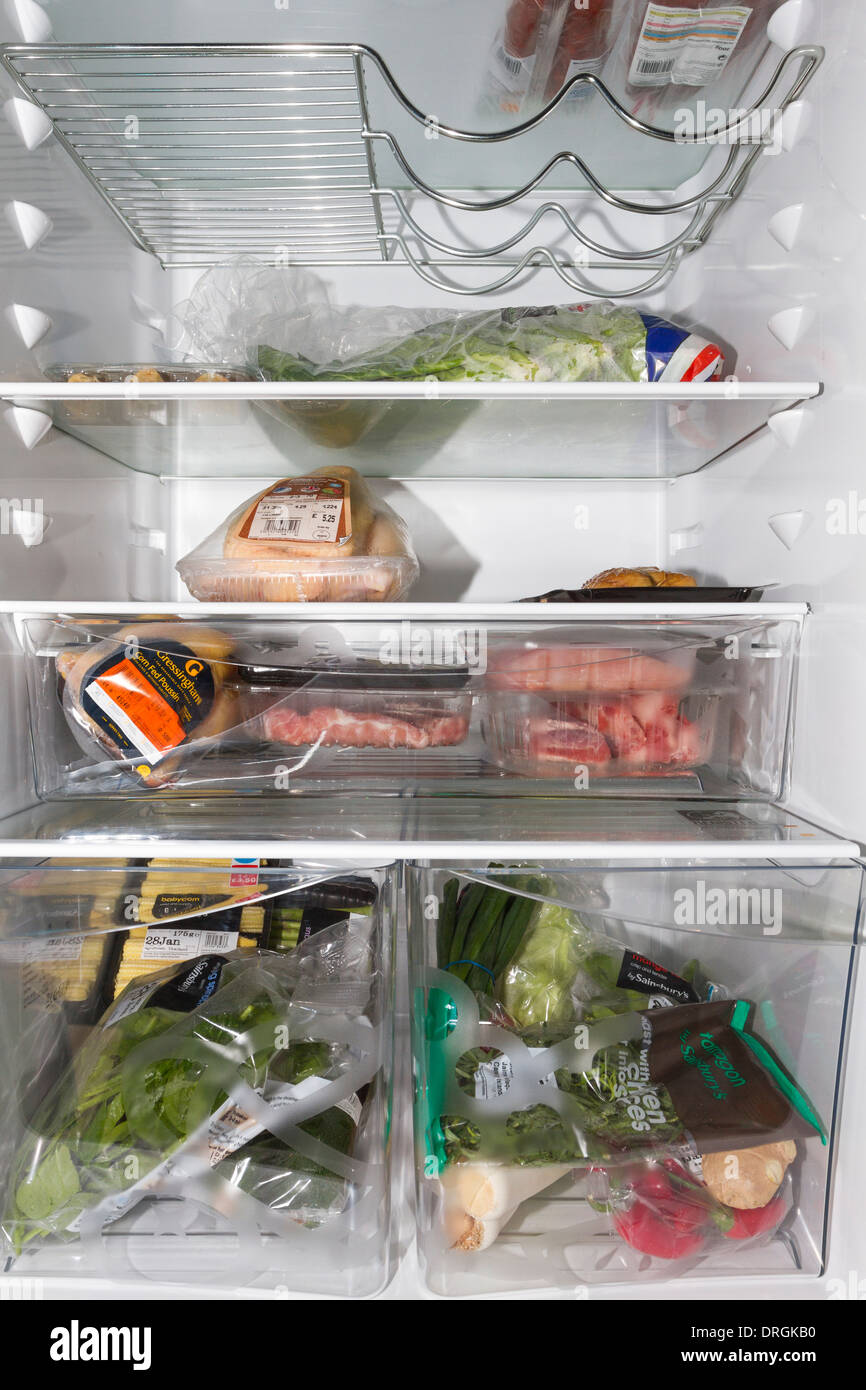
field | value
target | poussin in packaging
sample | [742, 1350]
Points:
[145, 693]
[321, 537]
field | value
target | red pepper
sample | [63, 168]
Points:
[757, 1220]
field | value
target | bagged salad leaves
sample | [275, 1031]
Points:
[281, 322]
[554, 1051]
[240, 1076]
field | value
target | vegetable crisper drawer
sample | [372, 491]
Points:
[196, 1073]
[626, 1074]
[636, 705]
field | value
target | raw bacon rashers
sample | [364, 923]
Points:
[329, 726]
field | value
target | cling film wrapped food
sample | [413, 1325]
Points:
[147, 692]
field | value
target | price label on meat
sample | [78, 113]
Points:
[302, 509]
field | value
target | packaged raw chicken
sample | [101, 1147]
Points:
[322, 537]
[565, 669]
[147, 692]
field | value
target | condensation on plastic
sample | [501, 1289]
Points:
[316, 1232]
[292, 577]
[559, 1232]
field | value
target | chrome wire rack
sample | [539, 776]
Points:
[207, 152]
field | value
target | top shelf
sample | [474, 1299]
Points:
[206, 152]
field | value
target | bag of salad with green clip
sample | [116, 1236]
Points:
[552, 1047]
[516, 1116]
[245, 1070]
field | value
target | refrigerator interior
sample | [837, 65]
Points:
[504, 497]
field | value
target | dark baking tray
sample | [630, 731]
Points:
[653, 595]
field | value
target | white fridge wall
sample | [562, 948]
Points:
[806, 484]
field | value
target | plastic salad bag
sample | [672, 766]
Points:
[554, 1051]
[246, 1070]
[280, 320]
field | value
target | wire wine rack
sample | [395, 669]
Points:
[208, 152]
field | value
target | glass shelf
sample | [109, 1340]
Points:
[373, 830]
[428, 429]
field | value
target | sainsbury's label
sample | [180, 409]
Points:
[645, 976]
[690, 47]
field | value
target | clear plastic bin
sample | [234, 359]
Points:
[302, 1206]
[702, 706]
[534, 1173]
[146, 433]
[607, 707]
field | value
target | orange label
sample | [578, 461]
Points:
[151, 715]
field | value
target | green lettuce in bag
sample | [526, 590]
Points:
[198, 1068]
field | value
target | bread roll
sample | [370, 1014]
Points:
[644, 577]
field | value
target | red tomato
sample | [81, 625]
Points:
[757, 1221]
[653, 1235]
